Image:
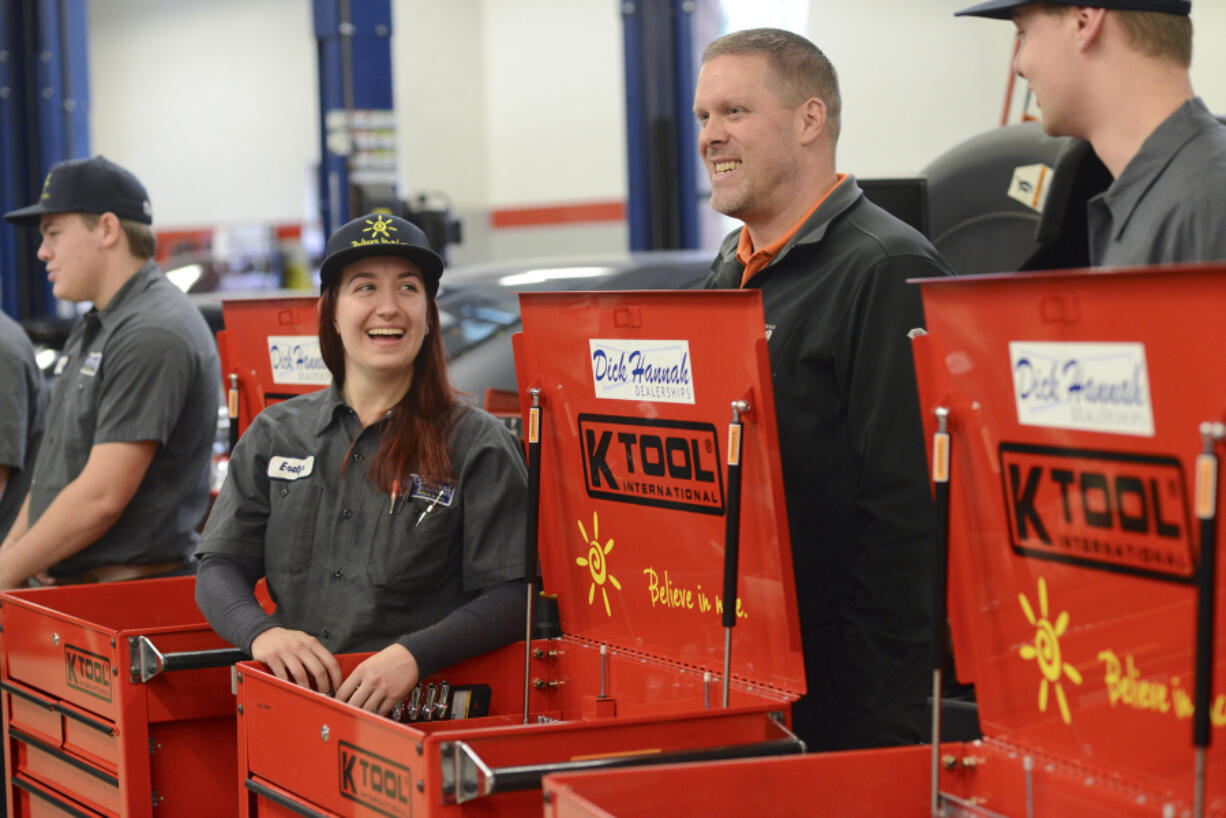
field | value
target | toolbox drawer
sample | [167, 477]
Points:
[65, 773]
[32, 799]
[270, 801]
[91, 738]
[59, 724]
[33, 712]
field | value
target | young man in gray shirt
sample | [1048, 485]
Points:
[1115, 73]
[122, 479]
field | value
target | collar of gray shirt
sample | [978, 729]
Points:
[1157, 151]
[120, 303]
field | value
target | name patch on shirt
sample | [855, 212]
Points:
[92, 362]
[434, 494]
[290, 468]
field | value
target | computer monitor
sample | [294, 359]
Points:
[904, 198]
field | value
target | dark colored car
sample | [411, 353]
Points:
[479, 304]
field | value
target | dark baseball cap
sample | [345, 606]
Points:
[1003, 9]
[94, 185]
[380, 234]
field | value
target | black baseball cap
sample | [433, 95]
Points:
[380, 234]
[94, 185]
[1003, 9]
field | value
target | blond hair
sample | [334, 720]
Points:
[799, 69]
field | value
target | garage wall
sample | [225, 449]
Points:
[211, 102]
[501, 105]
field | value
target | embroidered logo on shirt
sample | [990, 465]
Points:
[290, 468]
[433, 493]
[90, 367]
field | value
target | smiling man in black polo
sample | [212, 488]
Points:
[832, 268]
[122, 479]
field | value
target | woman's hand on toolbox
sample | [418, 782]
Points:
[381, 680]
[298, 657]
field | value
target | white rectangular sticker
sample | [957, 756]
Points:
[295, 359]
[1092, 387]
[1030, 186]
[630, 369]
[290, 468]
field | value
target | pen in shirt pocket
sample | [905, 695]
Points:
[429, 508]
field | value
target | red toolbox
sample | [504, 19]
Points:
[1084, 414]
[269, 352]
[117, 701]
[634, 397]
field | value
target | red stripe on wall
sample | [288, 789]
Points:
[200, 239]
[558, 214]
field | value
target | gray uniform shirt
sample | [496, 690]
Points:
[23, 399]
[144, 368]
[1169, 203]
[343, 562]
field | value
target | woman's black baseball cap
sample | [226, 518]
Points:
[380, 234]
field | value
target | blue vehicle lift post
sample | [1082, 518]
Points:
[355, 74]
[44, 119]
[661, 138]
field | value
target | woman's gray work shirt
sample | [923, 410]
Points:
[343, 562]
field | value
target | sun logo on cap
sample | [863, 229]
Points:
[596, 562]
[1046, 649]
[379, 227]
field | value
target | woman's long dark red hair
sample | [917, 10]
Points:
[415, 440]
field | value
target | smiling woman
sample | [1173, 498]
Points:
[401, 529]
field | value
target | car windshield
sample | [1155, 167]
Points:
[474, 308]
[474, 315]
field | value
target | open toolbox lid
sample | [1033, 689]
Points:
[636, 390]
[1076, 400]
[271, 345]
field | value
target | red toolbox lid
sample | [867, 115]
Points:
[272, 346]
[1076, 401]
[636, 390]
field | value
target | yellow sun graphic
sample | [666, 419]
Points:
[1046, 649]
[379, 227]
[596, 562]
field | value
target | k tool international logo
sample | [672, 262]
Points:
[373, 781]
[1091, 387]
[296, 360]
[88, 672]
[642, 370]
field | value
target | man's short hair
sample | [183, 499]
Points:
[142, 241]
[1153, 33]
[1157, 34]
[800, 69]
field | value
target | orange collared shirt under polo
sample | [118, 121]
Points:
[755, 261]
